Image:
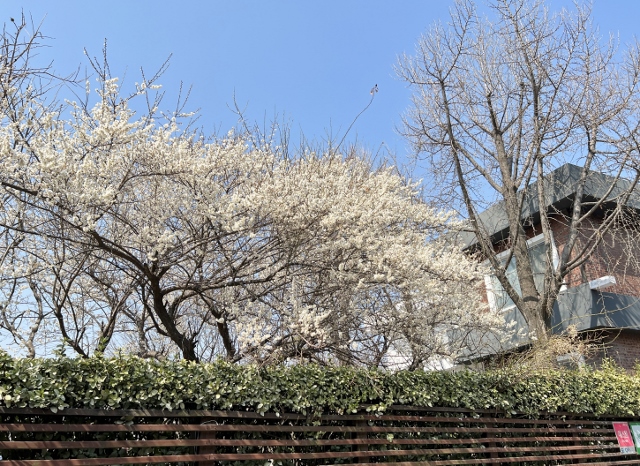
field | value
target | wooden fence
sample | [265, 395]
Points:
[402, 435]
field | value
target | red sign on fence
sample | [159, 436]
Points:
[625, 440]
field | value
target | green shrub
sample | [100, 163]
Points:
[131, 383]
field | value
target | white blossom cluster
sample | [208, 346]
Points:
[122, 232]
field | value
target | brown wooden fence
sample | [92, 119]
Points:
[401, 436]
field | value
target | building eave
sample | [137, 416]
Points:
[560, 191]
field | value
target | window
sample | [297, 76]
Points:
[497, 296]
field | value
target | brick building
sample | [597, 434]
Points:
[602, 296]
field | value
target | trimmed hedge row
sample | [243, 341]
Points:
[131, 383]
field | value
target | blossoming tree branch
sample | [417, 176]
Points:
[123, 231]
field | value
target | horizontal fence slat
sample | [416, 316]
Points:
[272, 428]
[432, 451]
[142, 413]
[108, 461]
[78, 444]
[302, 456]
[609, 463]
[470, 436]
[530, 459]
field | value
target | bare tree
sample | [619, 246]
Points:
[502, 99]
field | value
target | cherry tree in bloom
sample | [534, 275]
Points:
[123, 231]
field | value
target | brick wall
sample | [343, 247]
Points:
[623, 346]
[618, 255]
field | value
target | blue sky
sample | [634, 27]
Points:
[310, 64]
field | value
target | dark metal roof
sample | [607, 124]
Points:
[579, 306]
[559, 193]
[589, 309]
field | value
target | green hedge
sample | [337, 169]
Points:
[129, 382]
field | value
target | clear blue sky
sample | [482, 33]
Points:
[311, 63]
